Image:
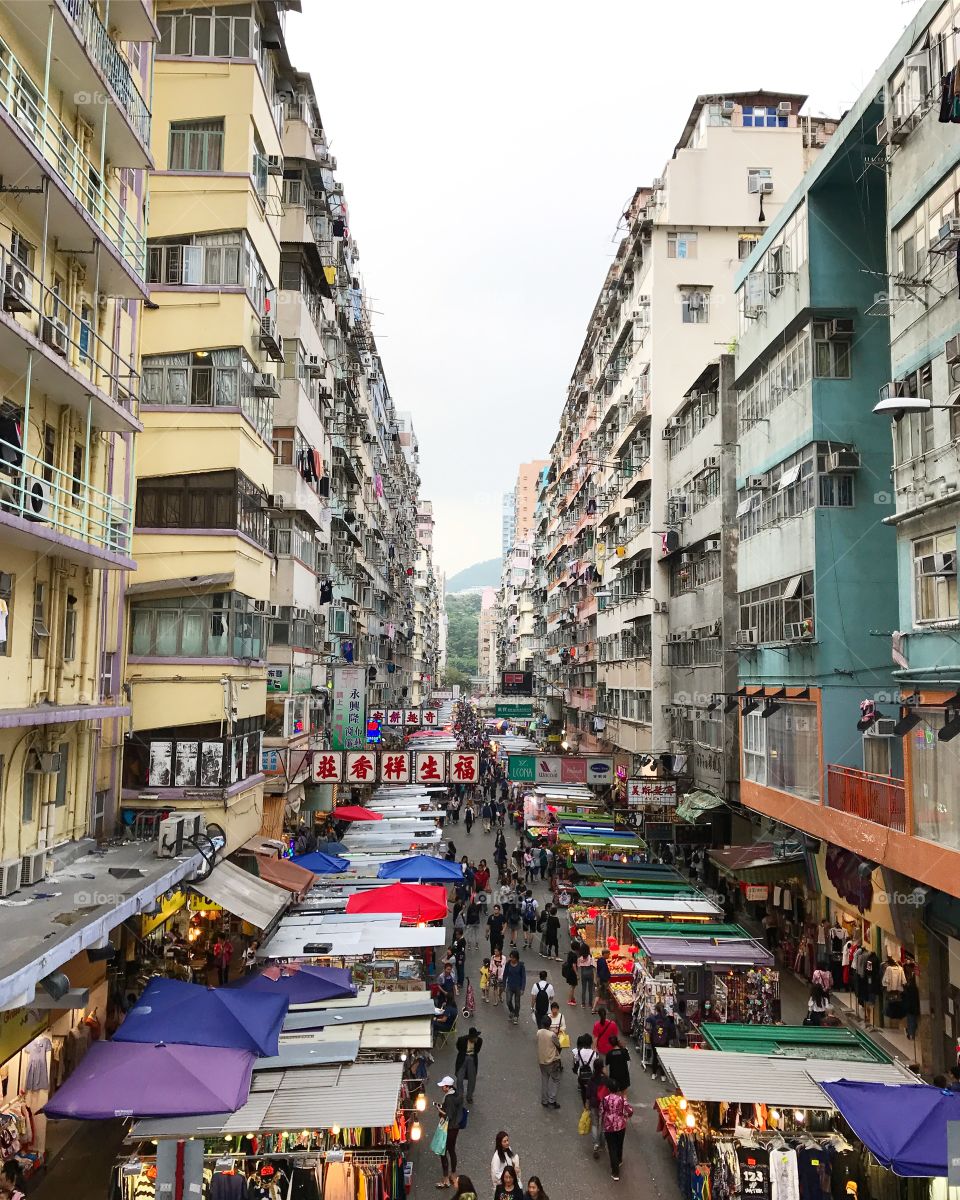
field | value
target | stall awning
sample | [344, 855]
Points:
[359, 1095]
[768, 1079]
[760, 863]
[415, 1033]
[724, 952]
[903, 1126]
[286, 874]
[244, 895]
[667, 906]
[795, 1041]
[694, 804]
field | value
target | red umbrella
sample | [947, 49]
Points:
[355, 812]
[413, 901]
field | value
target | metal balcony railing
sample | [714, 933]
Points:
[32, 489]
[40, 124]
[877, 798]
[67, 333]
[113, 66]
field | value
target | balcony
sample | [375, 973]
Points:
[133, 20]
[39, 503]
[32, 136]
[57, 349]
[877, 798]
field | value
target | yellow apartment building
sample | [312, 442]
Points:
[200, 607]
[75, 78]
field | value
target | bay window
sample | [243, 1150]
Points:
[935, 768]
[217, 625]
[782, 750]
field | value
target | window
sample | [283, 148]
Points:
[709, 729]
[61, 794]
[196, 145]
[205, 378]
[216, 260]
[681, 245]
[695, 305]
[29, 795]
[780, 611]
[225, 500]
[70, 629]
[758, 117]
[259, 170]
[831, 356]
[935, 768]
[99, 814]
[41, 633]
[781, 751]
[218, 625]
[746, 242]
[223, 32]
[799, 483]
[288, 539]
[107, 659]
[913, 434]
[6, 613]
[76, 482]
[49, 452]
[935, 577]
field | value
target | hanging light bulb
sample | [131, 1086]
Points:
[775, 1114]
[420, 1103]
[415, 1132]
[799, 1115]
[403, 1057]
[335, 1130]
[690, 1121]
[683, 1104]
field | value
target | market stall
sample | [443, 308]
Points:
[797, 1041]
[752, 1125]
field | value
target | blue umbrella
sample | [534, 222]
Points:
[331, 847]
[302, 984]
[421, 868]
[320, 863]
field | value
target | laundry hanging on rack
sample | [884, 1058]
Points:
[950, 98]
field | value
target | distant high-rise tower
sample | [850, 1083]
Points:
[509, 522]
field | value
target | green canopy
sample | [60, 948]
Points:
[794, 1041]
[687, 929]
[694, 804]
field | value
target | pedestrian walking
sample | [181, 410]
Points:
[587, 970]
[615, 1112]
[512, 913]
[550, 941]
[542, 862]
[498, 964]
[659, 1030]
[495, 924]
[911, 1001]
[535, 1189]
[559, 1025]
[569, 973]
[468, 817]
[460, 957]
[472, 922]
[618, 1064]
[603, 1030]
[540, 996]
[222, 957]
[597, 1088]
[465, 1189]
[481, 877]
[467, 1063]
[514, 984]
[583, 1059]
[509, 1186]
[503, 1156]
[528, 917]
[450, 1109]
[250, 958]
[603, 979]
[485, 980]
[548, 1057]
[486, 814]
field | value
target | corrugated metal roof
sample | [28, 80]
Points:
[395, 1008]
[767, 1079]
[363, 1094]
[795, 1041]
[681, 950]
[242, 894]
[681, 906]
[413, 1034]
[311, 1053]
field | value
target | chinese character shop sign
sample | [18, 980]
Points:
[349, 708]
[464, 768]
[429, 767]
[643, 792]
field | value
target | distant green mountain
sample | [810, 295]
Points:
[463, 616]
[485, 574]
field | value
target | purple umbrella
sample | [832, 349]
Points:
[131, 1079]
[303, 984]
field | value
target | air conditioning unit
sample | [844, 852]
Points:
[275, 611]
[900, 128]
[797, 631]
[300, 614]
[315, 364]
[17, 289]
[952, 349]
[656, 184]
[53, 333]
[687, 559]
[10, 871]
[712, 461]
[728, 107]
[883, 133]
[316, 133]
[784, 108]
[711, 546]
[756, 481]
[949, 233]
[33, 867]
[883, 727]
[265, 385]
[840, 328]
[175, 830]
[896, 389]
[44, 762]
[275, 164]
[260, 606]
[746, 637]
[766, 187]
[275, 500]
[844, 460]
[939, 565]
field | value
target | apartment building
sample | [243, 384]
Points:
[508, 522]
[426, 640]
[487, 642]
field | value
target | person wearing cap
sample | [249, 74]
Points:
[548, 1056]
[450, 1109]
[468, 1061]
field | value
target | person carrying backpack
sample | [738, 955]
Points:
[597, 1088]
[528, 915]
[540, 996]
[660, 1030]
[583, 1059]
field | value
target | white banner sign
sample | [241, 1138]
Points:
[464, 767]
[411, 716]
[395, 766]
[327, 766]
[429, 767]
[642, 793]
[431, 717]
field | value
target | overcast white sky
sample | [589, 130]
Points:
[487, 151]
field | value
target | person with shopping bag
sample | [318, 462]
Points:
[444, 1141]
[615, 1112]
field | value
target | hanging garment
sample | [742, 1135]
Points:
[754, 1172]
[4, 611]
[323, 486]
[228, 1186]
[784, 1177]
[338, 1183]
[38, 1075]
[326, 592]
